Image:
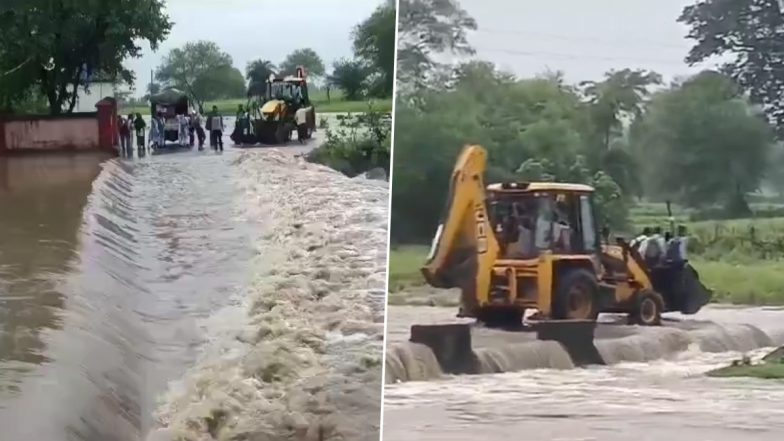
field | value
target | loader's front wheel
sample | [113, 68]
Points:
[648, 307]
[575, 296]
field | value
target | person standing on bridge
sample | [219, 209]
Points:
[126, 147]
[216, 129]
[139, 125]
[197, 121]
[183, 123]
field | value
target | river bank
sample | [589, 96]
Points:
[302, 356]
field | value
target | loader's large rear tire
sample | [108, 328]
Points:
[283, 133]
[575, 296]
[648, 307]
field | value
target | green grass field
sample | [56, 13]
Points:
[319, 98]
[770, 367]
[766, 371]
[655, 214]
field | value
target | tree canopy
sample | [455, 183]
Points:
[306, 57]
[702, 143]
[374, 44]
[257, 72]
[56, 47]
[749, 32]
[349, 76]
[426, 28]
[698, 142]
[203, 71]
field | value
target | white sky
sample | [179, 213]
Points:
[251, 29]
[583, 38]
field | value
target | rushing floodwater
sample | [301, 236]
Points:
[189, 295]
[654, 389]
[105, 270]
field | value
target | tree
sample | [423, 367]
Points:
[257, 72]
[303, 57]
[702, 143]
[531, 128]
[425, 28]
[749, 32]
[374, 43]
[621, 94]
[58, 46]
[199, 69]
[221, 82]
[349, 76]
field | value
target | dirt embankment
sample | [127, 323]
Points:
[302, 357]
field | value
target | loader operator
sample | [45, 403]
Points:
[561, 230]
[544, 224]
[520, 225]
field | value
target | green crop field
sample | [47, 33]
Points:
[319, 98]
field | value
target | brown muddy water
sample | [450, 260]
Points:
[653, 388]
[106, 268]
[118, 276]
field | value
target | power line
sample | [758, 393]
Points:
[525, 53]
[613, 42]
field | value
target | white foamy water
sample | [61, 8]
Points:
[654, 388]
[301, 358]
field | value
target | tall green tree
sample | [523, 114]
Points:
[749, 33]
[222, 82]
[349, 76]
[702, 143]
[201, 70]
[374, 43]
[56, 46]
[620, 95]
[531, 128]
[257, 72]
[427, 28]
[306, 57]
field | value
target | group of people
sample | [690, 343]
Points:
[189, 130]
[133, 124]
[655, 247]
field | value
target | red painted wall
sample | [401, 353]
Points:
[51, 134]
[68, 132]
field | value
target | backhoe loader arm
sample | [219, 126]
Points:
[464, 247]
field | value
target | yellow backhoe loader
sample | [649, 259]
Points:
[284, 108]
[515, 246]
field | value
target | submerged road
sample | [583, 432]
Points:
[653, 388]
[115, 274]
[107, 268]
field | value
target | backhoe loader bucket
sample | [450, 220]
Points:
[576, 336]
[696, 295]
[451, 344]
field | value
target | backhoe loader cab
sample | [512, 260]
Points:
[515, 246]
[534, 218]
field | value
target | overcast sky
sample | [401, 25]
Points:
[250, 29]
[580, 37]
